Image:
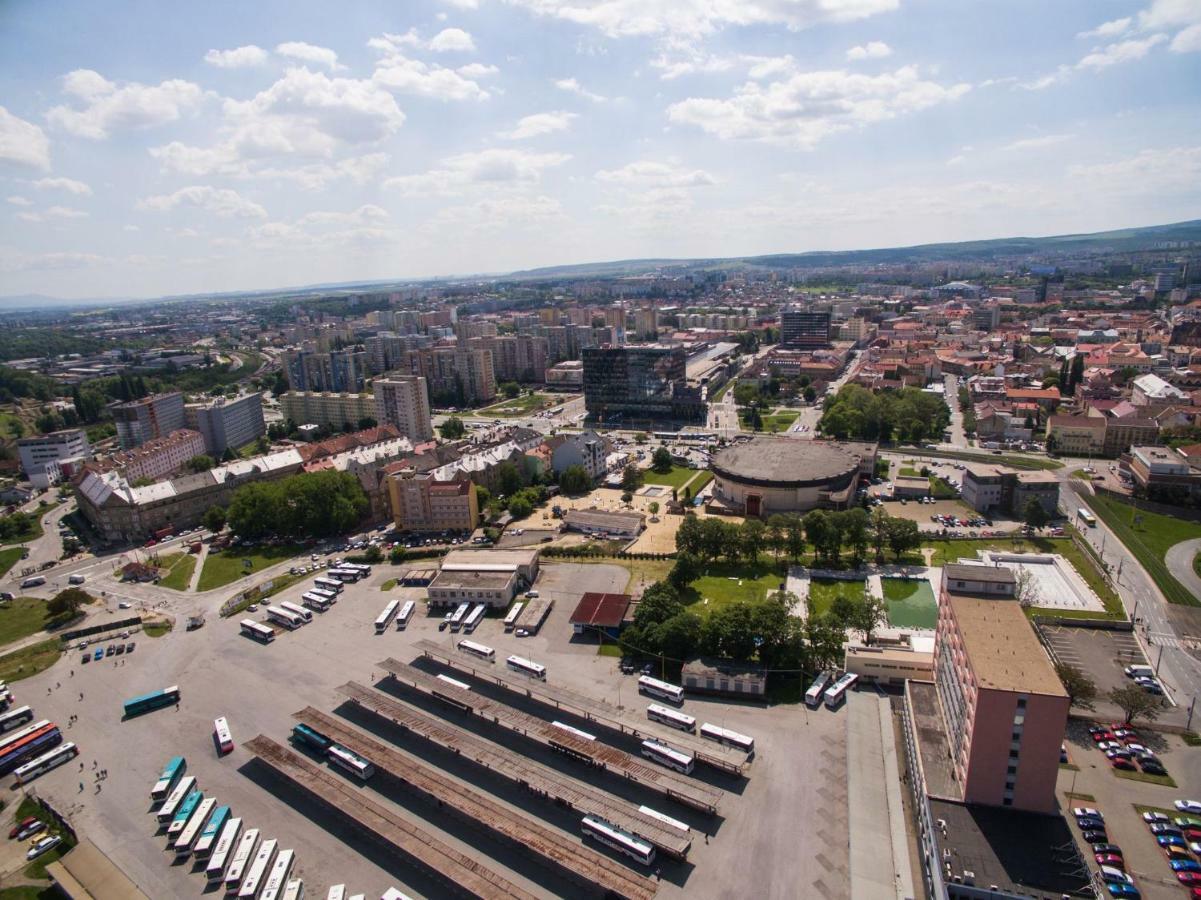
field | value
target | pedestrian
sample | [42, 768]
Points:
[72, 673]
[81, 787]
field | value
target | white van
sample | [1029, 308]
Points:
[32, 582]
[76, 579]
[1139, 672]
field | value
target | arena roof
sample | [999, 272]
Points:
[785, 461]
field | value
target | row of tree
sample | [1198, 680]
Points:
[312, 504]
[830, 534]
[903, 414]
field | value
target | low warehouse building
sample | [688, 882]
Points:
[720, 676]
[608, 524]
[598, 614]
[483, 576]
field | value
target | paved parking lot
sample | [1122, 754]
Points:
[791, 811]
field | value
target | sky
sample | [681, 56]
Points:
[149, 148]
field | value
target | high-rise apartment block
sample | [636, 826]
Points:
[646, 323]
[152, 417]
[403, 401]
[520, 357]
[42, 456]
[641, 383]
[339, 371]
[804, 329]
[323, 408]
[420, 502]
[227, 424]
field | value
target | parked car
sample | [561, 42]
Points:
[1107, 848]
[1087, 812]
[1185, 865]
[99, 654]
[1088, 823]
[1124, 764]
[15, 831]
[1152, 817]
[129, 647]
[1188, 806]
[45, 845]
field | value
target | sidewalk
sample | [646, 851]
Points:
[879, 849]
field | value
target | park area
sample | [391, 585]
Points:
[1149, 536]
[176, 570]
[523, 405]
[230, 565]
[722, 585]
[824, 591]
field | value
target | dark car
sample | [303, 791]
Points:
[110, 650]
[1151, 767]
[129, 647]
[87, 657]
[1088, 823]
[1107, 848]
[1095, 837]
[21, 826]
[628, 666]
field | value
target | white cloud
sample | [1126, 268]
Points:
[539, 124]
[132, 229]
[322, 229]
[220, 201]
[574, 87]
[496, 214]
[38, 262]
[20, 201]
[492, 167]
[1036, 143]
[1123, 51]
[1168, 170]
[463, 4]
[62, 184]
[1188, 40]
[107, 107]
[1169, 14]
[647, 173]
[806, 107]
[684, 58]
[1109, 29]
[452, 40]
[870, 50]
[364, 214]
[318, 176]
[237, 58]
[54, 212]
[310, 53]
[406, 75]
[623, 18]
[304, 113]
[23, 142]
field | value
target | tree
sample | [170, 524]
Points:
[855, 533]
[843, 610]
[452, 429]
[659, 603]
[574, 480]
[65, 604]
[777, 534]
[1135, 703]
[641, 437]
[373, 554]
[730, 632]
[200, 463]
[1081, 689]
[686, 570]
[508, 478]
[870, 613]
[366, 422]
[879, 527]
[810, 394]
[794, 539]
[1034, 515]
[509, 389]
[396, 555]
[1026, 589]
[653, 508]
[751, 539]
[311, 504]
[824, 640]
[903, 536]
[520, 507]
[214, 518]
[679, 636]
[689, 538]
[817, 530]
[632, 478]
[661, 461]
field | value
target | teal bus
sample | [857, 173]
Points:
[154, 700]
[172, 772]
[302, 734]
[208, 837]
[184, 812]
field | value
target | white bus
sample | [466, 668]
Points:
[346, 576]
[44, 763]
[242, 856]
[257, 872]
[660, 689]
[462, 685]
[570, 729]
[298, 609]
[666, 756]
[284, 617]
[394, 894]
[385, 618]
[225, 738]
[15, 718]
[477, 650]
[332, 585]
[525, 667]
[264, 634]
[337, 892]
[405, 614]
[294, 890]
[172, 772]
[208, 834]
[456, 620]
[729, 738]
[474, 617]
[315, 601]
[324, 594]
[657, 713]
[277, 878]
[837, 692]
[813, 696]
[619, 839]
[1088, 518]
[667, 820]
[166, 812]
[351, 762]
[214, 871]
[191, 831]
[363, 570]
[513, 616]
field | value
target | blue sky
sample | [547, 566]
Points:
[150, 148]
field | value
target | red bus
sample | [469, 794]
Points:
[225, 739]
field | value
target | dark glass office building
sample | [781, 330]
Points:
[804, 329]
[639, 384]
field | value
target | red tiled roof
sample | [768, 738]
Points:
[601, 610]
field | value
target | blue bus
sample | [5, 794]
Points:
[302, 734]
[208, 837]
[184, 812]
[172, 772]
[154, 700]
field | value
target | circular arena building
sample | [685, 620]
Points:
[768, 475]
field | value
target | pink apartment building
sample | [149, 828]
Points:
[1003, 707]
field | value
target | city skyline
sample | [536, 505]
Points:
[200, 151]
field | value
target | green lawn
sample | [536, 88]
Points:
[822, 592]
[1007, 459]
[180, 567]
[1164, 780]
[721, 391]
[389, 584]
[772, 422]
[37, 868]
[675, 478]
[156, 629]
[908, 471]
[940, 490]
[29, 892]
[698, 483]
[911, 604]
[518, 406]
[607, 649]
[34, 530]
[8, 558]
[1149, 540]
[20, 618]
[30, 660]
[222, 568]
[723, 584]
